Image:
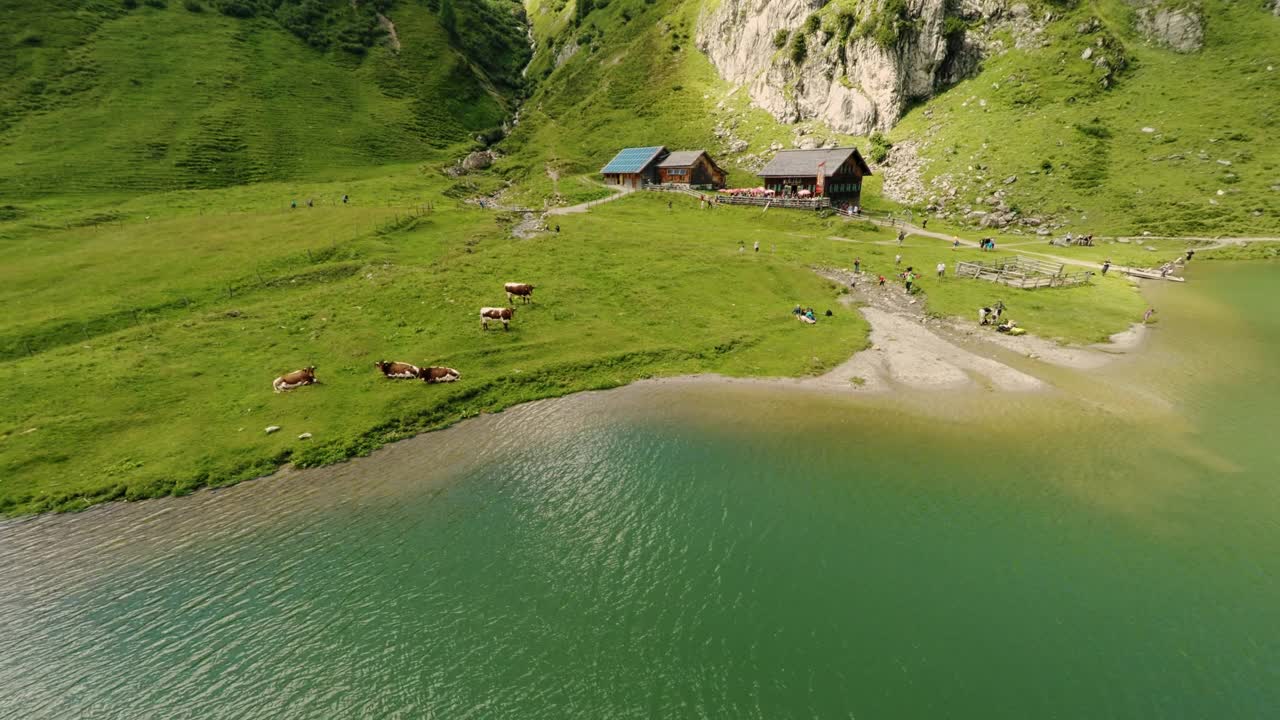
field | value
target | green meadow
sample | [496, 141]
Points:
[141, 361]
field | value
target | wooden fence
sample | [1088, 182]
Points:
[817, 203]
[1022, 272]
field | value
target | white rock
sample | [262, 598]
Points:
[272, 428]
[1224, 162]
[304, 436]
[1088, 53]
[1148, 129]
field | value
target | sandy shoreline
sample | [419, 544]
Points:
[910, 351]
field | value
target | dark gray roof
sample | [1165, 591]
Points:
[681, 158]
[789, 163]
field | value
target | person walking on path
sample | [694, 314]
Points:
[955, 243]
[1106, 265]
[1190, 254]
[910, 278]
[881, 281]
[902, 235]
[857, 265]
[924, 223]
[897, 259]
[1146, 316]
[942, 269]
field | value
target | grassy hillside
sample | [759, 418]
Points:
[1205, 166]
[109, 100]
[1078, 149]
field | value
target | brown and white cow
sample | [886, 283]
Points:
[398, 370]
[439, 375]
[295, 379]
[523, 290]
[493, 313]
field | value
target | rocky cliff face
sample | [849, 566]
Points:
[861, 66]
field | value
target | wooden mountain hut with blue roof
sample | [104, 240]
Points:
[631, 168]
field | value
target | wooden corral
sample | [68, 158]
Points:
[813, 203]
[1021, 272]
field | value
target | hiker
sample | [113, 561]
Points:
[897, 259]
[857, 265]
[881, 281]
[1106, 265]
[910, 277]
[1146, 316]
[808, 312]
[757, 246]
[902, 235]
[924, 223]
[955, 244]
[942, 269]
[293, 204]
[1190, 253]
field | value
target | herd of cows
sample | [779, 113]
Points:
[408, 371]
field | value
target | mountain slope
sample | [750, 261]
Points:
[1057, 95]
[157, 98]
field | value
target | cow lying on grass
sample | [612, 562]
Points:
[439, 375]
[523, 290]
[398, 370]
[492, 313]
[295, 379]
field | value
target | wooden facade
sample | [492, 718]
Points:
[633, 168]
[842, 171]
[692, 167]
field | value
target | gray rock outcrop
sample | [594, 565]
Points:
[848, 78]
[1180, 29]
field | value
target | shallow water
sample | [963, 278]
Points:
[693, 550]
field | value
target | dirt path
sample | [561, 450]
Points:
[1218, 242]
[583, 207]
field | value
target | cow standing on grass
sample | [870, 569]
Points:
[432, 375]
[523, 290]
[491, 313]
[398, 370]
[295, 379]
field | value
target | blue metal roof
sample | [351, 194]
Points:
[632, 160]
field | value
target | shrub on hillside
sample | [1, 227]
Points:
[780, 38]
[880, 147]
[799, 49]
[1095, 129]
[811, 24]
[160, 4]
[129, 4]
[236, 8]
[193, 6]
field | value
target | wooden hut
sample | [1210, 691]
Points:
[835, 173]
[691, 167]
[633, 167]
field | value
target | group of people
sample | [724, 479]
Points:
[806, 315]
[1086, 240]
[986, 244]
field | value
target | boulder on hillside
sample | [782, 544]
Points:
[1180, 29]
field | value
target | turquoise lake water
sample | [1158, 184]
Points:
[674, 550]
